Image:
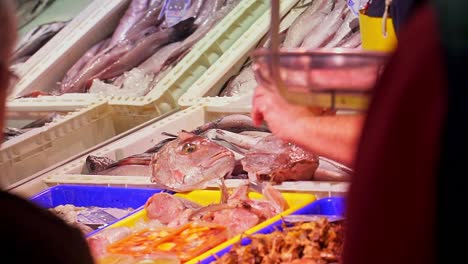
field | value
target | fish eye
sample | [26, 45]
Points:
[189, 148]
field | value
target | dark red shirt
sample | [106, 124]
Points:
[391, 203]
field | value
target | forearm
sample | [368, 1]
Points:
[334, 137]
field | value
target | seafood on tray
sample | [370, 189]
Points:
[321, 24]
[88, 219]
[179, 229]
[143, 48]
[229, 147]
[12, 132]
[318, 242]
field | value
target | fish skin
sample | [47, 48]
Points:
[29, 10]
[352, 41]
[233, 123]
[77, 84]
[273, 159]
[135, 12]
[209, 16]
[241, 84]
[36, 38]
[85, 59]
[146, 48]
[150, 19]
[330, 24]
[190, 162]
[346, 29]
[306, 22]
[155, 63]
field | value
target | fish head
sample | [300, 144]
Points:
[273, 159]
[189, 162]
[183, 29]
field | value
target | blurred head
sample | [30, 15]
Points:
[7, 42]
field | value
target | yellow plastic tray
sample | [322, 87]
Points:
[372, 36]
[206, 197]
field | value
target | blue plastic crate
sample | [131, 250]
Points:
[79, 195]
[325, 206]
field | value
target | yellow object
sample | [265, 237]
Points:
[372, 34]
[206, 197]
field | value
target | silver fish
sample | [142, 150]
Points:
[146, 48]
[124, 57]
[36, 38]
[319, 35]
[135, 12]
[350, 25]
[27, 10]
[310, 19]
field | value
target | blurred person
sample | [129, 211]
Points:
[408, 151]
[31, 234]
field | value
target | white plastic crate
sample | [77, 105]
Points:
[141, 140]
[232, 60]
[42, 147]
[230, 31]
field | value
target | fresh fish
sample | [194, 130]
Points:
[190, 162]
[146, 48]
[36, 38]
[149, 20]
[41, 121]
[27, 10]
[241, 84]
[100, 165]
[85, 59]
[9, 133]
[126, 56]
[238, 214]
[310, 19]
[272, 159]
[214, 13]
[155, 63]
[349, 26]
[136, 165]
[328, 27]
[166, 207]
[135, 12]
[352, 41]
[329, 170]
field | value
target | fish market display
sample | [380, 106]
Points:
[11, 132]
[27, 10]
[88, 218]
[35, 39]
[183, 229]
[319, 242]
[322, 24]
[142, 49]
[230, 147]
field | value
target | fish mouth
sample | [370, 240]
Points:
[216, 158]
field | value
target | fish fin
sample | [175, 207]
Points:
[224, 191]
[95, 164]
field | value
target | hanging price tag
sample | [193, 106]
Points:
[174, 11]
[355, 6]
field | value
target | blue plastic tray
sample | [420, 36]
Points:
[325, 206]
[79, 195]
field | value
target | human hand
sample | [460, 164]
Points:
[283, 119]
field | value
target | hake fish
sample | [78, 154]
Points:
[126, 56]
[27, 10]
[35, 39]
